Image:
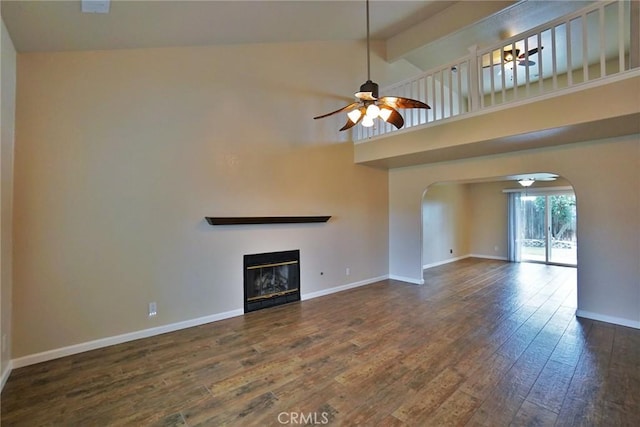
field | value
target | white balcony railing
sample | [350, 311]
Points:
[597, 42]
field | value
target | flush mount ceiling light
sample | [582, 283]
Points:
[526, 182]
[369, 106]
[95, 6]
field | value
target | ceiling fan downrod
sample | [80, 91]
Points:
[369, 105]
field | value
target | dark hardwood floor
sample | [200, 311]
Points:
[481, 343]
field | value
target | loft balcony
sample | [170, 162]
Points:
[575, 78]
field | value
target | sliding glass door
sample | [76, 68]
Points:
[562, 231]
[548, 228]
[534, 226]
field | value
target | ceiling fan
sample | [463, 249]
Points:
[509, 56]
[370, 106]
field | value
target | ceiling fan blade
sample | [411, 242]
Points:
[348, 107]
[524, 63]
[531, 52]
[495, 64]
[351, 123]
[395, 118]
[399, 102]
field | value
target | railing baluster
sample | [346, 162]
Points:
[603, 44]
[426, 97]
[450, 77]
[403, 93]
[526, 68]
[442, 94]
[492, 80]
[634, 43]
[416, 113]
[419, 91]
[569, 62]
[554, 64]
[540, 75]
[514, 71]
[410, 112]
[472, 63]
[480, 80]
[422, 94]
[504, 79]
[435, 96]
[414, 93]
[621, 65]
[475, 71]
[460, 97]
[585, 50]
[406, 92]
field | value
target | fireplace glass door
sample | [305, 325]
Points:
[271, 279]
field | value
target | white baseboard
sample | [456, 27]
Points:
[499, 258]
[446, 261]
[608, 319]
[407, 279]
[329, 291]
[5, 375]
[118, 339]
[145, 333]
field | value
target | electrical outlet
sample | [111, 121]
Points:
[347, 271]
[153, 309]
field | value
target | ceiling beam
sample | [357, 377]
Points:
[459, 15]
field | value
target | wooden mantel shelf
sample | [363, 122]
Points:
[244, 220]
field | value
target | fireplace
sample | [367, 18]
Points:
[271, 279]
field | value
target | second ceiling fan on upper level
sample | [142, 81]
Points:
[370, 106]
[509, 56]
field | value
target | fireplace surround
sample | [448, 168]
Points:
[271, 279]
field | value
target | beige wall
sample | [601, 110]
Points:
[488, 212]
[445, 222]
[121, 154]
[608, 215]
[7, 113]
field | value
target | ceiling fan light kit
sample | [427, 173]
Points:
[509, 56]
[370, 106]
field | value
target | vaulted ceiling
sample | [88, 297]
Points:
[426, 33]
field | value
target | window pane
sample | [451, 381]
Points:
[563, 229]
[533, 237]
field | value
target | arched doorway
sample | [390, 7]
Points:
[475, 218]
